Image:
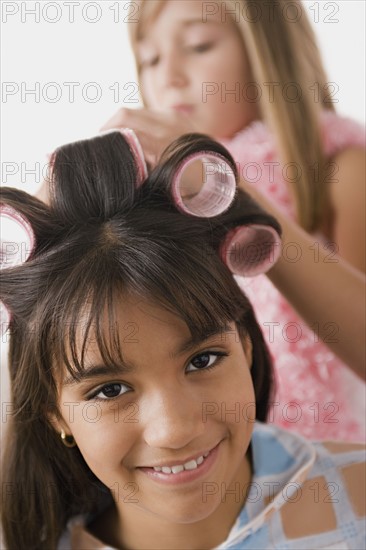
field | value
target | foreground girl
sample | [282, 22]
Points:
[140, 377]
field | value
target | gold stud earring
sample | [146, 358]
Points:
[67, 440]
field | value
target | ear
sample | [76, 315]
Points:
[61, 428]
[250, 250]
[56, 421]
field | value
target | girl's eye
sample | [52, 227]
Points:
[199, 48]
[108, 391]
[149, 62]
[206, 361]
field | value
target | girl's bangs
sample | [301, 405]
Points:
[85, 317]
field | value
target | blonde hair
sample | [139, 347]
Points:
[283, 53]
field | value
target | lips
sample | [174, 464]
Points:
[183, 109]
[189, 465]
[177, 466]
[175, 473]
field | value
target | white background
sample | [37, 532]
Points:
[37, 53]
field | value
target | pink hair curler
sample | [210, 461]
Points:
[137, 152]
[17, 237]
[136, 149]
[17, 243]
[250, 250]
[204, 185]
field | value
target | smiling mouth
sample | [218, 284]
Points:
[185, 472]
[189, 465]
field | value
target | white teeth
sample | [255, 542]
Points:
[177, 469]
[206, 454]
[191, 465]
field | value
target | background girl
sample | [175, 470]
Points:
[131, 346]
[253, 78]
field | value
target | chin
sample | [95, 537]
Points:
[182, 510]
[219, 133]
[190, 514]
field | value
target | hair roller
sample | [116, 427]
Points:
[136, 150]
[17, 237]
[17, 243]
[204, 185]
[250, 250]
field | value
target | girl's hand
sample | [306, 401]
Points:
[154, 130]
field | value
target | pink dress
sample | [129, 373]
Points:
[317, 394]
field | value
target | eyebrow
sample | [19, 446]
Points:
[188, 23]
[192, 343]
[98, 371]
[198, 21]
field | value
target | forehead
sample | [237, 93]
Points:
[131, 314]
[202, 10]
[185, 14]
[141, 327]
[149, 322]
[129, 327]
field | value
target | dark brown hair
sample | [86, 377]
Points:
[99, 237]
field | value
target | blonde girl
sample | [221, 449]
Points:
[249, 74]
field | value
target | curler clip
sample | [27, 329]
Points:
[251, 250]
[204, 185]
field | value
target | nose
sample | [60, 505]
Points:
[171, 421]
[173, 71]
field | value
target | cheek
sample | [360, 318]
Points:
[149, 91]
[103, 434]
[226, 104]
[234, 403]
[218, 69]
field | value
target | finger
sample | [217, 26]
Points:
[144, 120]
[149, 148]
[116, 121]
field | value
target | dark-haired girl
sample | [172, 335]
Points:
[140, 378]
